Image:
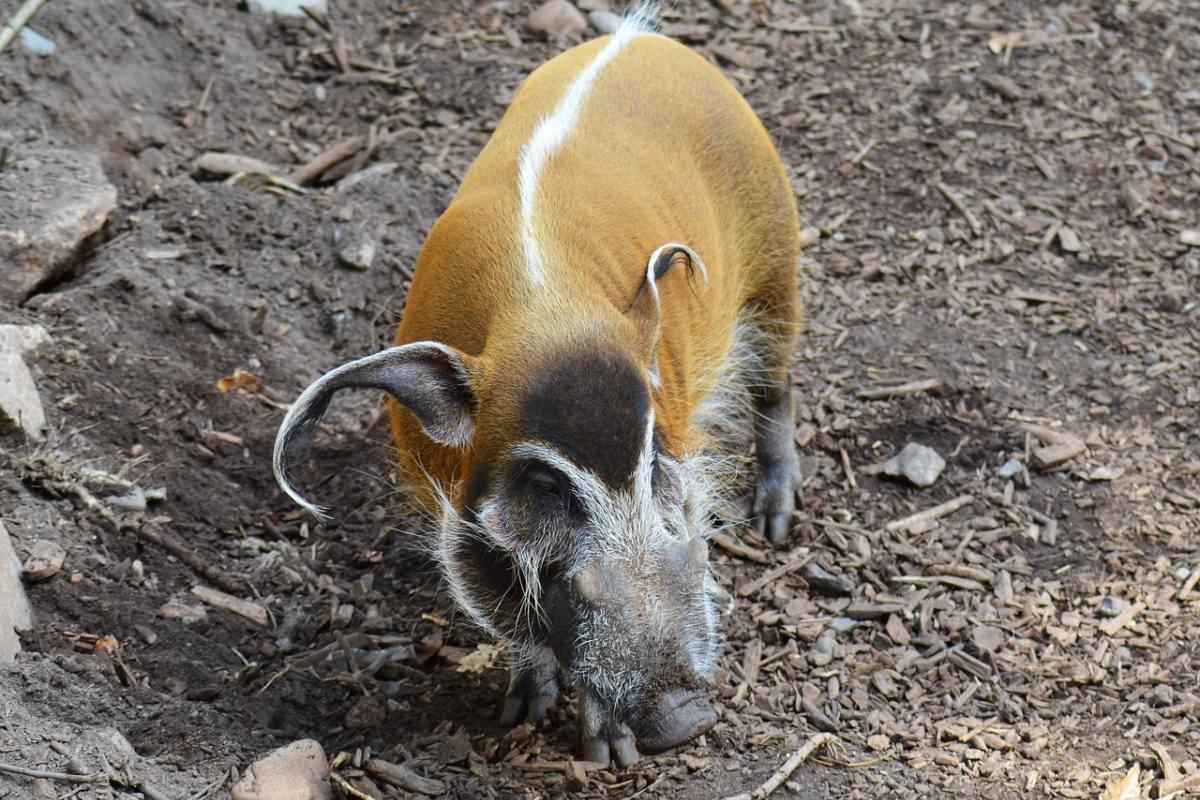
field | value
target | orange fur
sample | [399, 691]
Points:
[664, 149]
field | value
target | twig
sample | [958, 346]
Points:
[736, 548]
[52, 476]
[783, 773]
[930, 514]
[350, 790]
[334, 155]
[207, 791]
[23, 15]
[65, 777]
[912, 387]
[798, 561]
[960, 207]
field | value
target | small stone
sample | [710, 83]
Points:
[916, 463]
[19, 399]
[1182, 573]
[1111, 606]
[1010, 469]
[1144, 81]
[51, 201]
[35, 43]
[1068, 240]
[604, 20]
[133, 500]
[296, 772]
[557, 18]
[822, 581]
[179, 608]
[842, 624]
[15, 614]
[824, 645]
[286, 8]
[357, 251]
[45, 561]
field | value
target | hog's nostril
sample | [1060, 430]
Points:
[681, 715]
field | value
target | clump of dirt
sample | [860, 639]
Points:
[999, 196]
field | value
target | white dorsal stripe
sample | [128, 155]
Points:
[553, 130]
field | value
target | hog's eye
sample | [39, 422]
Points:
[544, 484]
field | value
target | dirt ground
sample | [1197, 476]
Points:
[996, 193]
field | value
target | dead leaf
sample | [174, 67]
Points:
[1126, 787]
[480, 660]
[240, 379]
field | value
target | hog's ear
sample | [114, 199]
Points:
[646, 310]
[431, 380]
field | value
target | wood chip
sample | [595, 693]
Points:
[243, 608]
[918, 522]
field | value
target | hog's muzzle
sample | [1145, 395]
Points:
[680, 716]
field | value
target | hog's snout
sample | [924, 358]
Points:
[680, 716]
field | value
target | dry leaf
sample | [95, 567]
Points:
[240, 379]
[480, 660]
[1125, 788]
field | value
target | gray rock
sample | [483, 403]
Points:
[557, 18]
[35, 43]
[51, 200]
[45, 561]
[356, 250]
[825, 582]
[604, 21]
[1111, 606]
[296, 772]
[1010, 469]
[842, 624]
[19, 400]
[286, 8]
[916, 463]
[15, 614]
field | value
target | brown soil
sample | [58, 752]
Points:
[982, 662]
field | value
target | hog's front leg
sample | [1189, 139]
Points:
[532, 687]
[601, 737]
[778, 464]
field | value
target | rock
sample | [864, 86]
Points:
[179, 608]
[19, 400]
[1010, 469]
[35, 43]
[45, 561]
[604, 20]
[286, 8]
[916, 463]
[51, 200]
[356, 251]
[823, 581]
[1111, 607]
[841, 624]
[557, 18]
[296, 772]
[14, 606]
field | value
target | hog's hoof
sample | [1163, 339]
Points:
[681, 716]
[775, 502]
[618, 746]
[530, 695]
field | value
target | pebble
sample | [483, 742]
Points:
[45, 561]
[822, 649]
[51, 200]
[35, 43]
[557, 18]
[1111, 606]
[298, 771]
[14, 606]
[604, 21]
[1010, 469]
[286, 8]
[19, 399]
[1144, 81]
[824, 582]
[356, 250]
[842, 624]
[916, 463]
